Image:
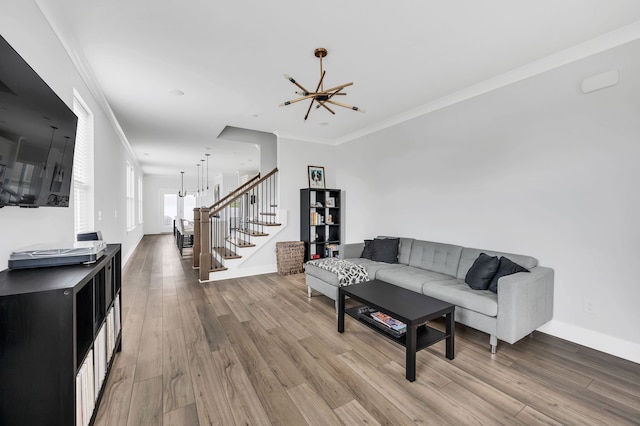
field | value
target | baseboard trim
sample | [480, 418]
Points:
[593, 339]
[240, 272]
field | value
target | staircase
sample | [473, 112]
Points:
[230, 231]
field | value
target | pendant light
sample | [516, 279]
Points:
[60, 175]
[45, 163]
[198, 165]
[207, 171]
[203, 191]
[182, 193]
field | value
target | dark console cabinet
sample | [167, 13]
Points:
[59, 329]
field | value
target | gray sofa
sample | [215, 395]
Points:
[523, 303]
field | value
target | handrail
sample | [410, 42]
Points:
[218, 209]
[233, 194]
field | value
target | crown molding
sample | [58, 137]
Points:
[597, 45]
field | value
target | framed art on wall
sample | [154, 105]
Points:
[316, 177]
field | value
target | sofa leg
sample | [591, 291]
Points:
[493, 341]
[308, 291]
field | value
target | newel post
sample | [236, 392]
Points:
[205, 244]
[196, 237]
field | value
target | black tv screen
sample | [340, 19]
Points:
[37, 137]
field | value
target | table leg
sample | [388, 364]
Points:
[450, 330]
[341, 298]
[411, 343]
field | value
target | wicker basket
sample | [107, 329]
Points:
[290, 256]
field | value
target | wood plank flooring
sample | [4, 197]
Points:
[257, 351]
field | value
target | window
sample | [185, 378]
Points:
[189, 205]
[131, 214]
[83, 168]
[140, 215]
[170, 209]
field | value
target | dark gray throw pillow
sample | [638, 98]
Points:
[385, 250]
[505, 267]
[367, 252]
[483, 269]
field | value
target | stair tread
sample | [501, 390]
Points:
[251, 232]
[217, 266]
[240, 243]
[267, 214]
[257, 222]
[226, 253]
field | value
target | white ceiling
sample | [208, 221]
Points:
[229, 57]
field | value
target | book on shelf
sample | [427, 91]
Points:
[85, 391]
[331, 250]
[317, 219]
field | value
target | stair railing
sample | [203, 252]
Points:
[233, 222]
[197, 216]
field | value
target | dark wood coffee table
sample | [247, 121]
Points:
[412, 308]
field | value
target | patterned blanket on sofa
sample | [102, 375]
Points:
[348, 272]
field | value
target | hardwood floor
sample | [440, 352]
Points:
[257, 351]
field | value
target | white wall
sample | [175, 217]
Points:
[26, 29]
[535, 168]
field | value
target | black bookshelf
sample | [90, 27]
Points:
[53, 321]
[320, 221]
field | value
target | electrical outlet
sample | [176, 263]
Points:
[116, 214]
[589, 306]
[99, 215]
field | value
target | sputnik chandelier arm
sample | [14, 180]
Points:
[321, 96]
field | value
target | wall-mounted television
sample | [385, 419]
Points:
[37, 137]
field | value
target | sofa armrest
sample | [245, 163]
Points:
[525, 302]
[350, 251]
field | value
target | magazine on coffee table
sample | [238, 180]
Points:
[382, 321]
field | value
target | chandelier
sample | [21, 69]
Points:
[321, 96]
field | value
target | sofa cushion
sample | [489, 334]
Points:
[456, 291]
[482, 271]
[385, 250]
[469, 255]
[367, 252]
[436, 257]
[505, 267]
[373, 267]
[410, 277]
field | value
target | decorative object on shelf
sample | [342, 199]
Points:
[321, 96]
[182, 193]
[331, 202]
[316, 177]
